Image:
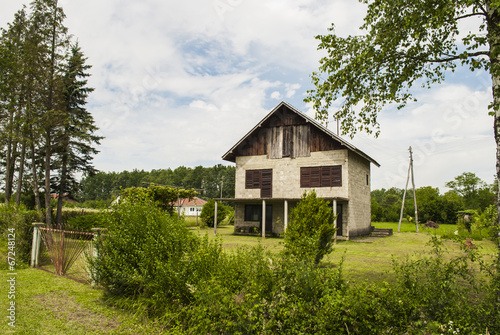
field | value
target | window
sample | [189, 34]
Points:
[321, 176]
[260, 179]
[367, 180]
[253, 213]
[253, 179]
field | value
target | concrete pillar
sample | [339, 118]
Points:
[286, 214]
[35, 246]
[263, 219]
[215, 219]
[334, 205]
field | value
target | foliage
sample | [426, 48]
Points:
[151, 264]
[475, 193]
[45, 127]
[143, 255]
[432, 206]
[77, 136]
[309, 234]
[205, 180]
[21, 219]
[207, 215]
[380, 67]
[162, 196]
[85, 222]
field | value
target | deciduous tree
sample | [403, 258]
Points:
[406, 43]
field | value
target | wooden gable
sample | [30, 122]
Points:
[286, 132]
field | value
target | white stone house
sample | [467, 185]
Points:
[288, 153]
[189, 207]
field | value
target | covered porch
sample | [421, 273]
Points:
[271, 216]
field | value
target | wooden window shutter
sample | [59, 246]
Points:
[253, 179]
[305, 177]
[326, 176]
[321, 176]
[315, 176]
[336, 175]
[266, 190]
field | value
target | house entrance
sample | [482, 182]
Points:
[269, 218]
[339, 220]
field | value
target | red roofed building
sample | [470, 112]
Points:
[190, 207]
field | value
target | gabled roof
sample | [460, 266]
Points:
[187, 202]
[228, 155]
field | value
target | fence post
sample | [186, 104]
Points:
[95, 254]
[35, 246]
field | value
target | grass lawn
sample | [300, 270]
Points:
[363, 260]
[49, 304]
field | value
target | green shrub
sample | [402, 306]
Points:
[144, 255]
[21, 219]
[309, 234]
[207, 215]
[85, 222]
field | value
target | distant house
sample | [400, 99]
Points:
[288, 153]
[189, 207]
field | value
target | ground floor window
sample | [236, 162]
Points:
[254, 213]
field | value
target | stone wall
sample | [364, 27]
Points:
[359, 216]
[286, 174]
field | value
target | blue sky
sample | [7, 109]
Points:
[179, 82]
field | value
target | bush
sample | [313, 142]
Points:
[208, 213]
[145, 255]
[309, 234]
[21, 219]
[85, 222]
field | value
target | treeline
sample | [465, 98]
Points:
[468, 192]
[206, 181]
[47, 136]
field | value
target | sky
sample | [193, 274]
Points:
[180, 82]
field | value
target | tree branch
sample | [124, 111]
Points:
[452, 58]
[469, 15]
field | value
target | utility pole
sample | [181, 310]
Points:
[410, 170]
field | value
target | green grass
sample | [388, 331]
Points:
[49, 304]
[371, 260]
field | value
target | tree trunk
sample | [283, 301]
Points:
[35, 174]
[493, 22]
[48, 209]
[21, 173]
[62, 188]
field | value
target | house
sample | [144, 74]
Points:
[288, 153]
[189, 207]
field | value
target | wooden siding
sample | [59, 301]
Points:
[275, 143]
[285, 134]
[302, 141]
[322, 142]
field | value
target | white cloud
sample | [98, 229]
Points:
[178, 83]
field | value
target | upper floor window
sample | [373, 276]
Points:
[321, 176]
[260, 179]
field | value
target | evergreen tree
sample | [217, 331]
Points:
[76, 140]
